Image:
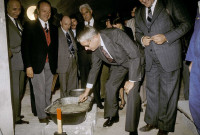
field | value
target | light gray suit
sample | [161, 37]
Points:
[126, 54]
[16, 66]
[67, 64]
[163, 62]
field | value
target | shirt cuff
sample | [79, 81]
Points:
[131, 81]
[89, 85]
[142, 42]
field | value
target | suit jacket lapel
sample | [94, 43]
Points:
[157, 10]
[13, 25]
[143, 15]
[108, 44]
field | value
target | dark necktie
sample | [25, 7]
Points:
[149, 17]
[111, 60]
[16, 23]
[69, 41]
[45, 28]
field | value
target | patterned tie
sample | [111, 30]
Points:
[45, 28]
[149, 18]
[111, 60]
[16, 23]
[69, 41]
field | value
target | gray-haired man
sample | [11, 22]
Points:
[116, 49]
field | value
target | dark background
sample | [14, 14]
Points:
[101, 8]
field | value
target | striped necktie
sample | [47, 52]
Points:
[111, 60]
[45, 28]
[70, 45]
[17, 24]
[149, 17]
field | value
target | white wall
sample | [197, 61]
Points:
[6, 116]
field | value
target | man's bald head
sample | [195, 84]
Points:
[65, 23]
[14, 8]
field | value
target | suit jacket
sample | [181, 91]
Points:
[14, 45]
[123, 50]
[64, 52]
[35, 48]
[169, 53]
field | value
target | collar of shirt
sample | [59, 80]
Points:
[43, 23]
[104, 47]
[152, 8]
[13, 20]
[64, 31]
[91, 22]
[74, 31]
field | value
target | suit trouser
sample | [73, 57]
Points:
[17, 91]
[133, 108]
[42, 90]
[68, 80]
[117, 75]
[162, 97]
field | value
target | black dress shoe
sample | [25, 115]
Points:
[162, 132]
[21, 122]
[100, 106]
[102, 99]
[146, 128]
[109, 122]
[45, 120]
[21, 116]
[133, 133]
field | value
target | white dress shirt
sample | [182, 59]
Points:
[74, 31]
[91, 22]
[152, 8]
[43, 23]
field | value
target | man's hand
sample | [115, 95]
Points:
[190, 66]
[83, 97]
[29, 72]
[128, 86]
[146, 40]
[159, 39]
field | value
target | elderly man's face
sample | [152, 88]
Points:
[65, 23]
[14, 8]
[44, 12]
[91, 44]
[87, 14]
[147, 3]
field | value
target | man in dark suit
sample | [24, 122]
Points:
[14, 29]
[84, 57]
[40, 50]
[115, 48]
[157, 32]
[67, 58]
